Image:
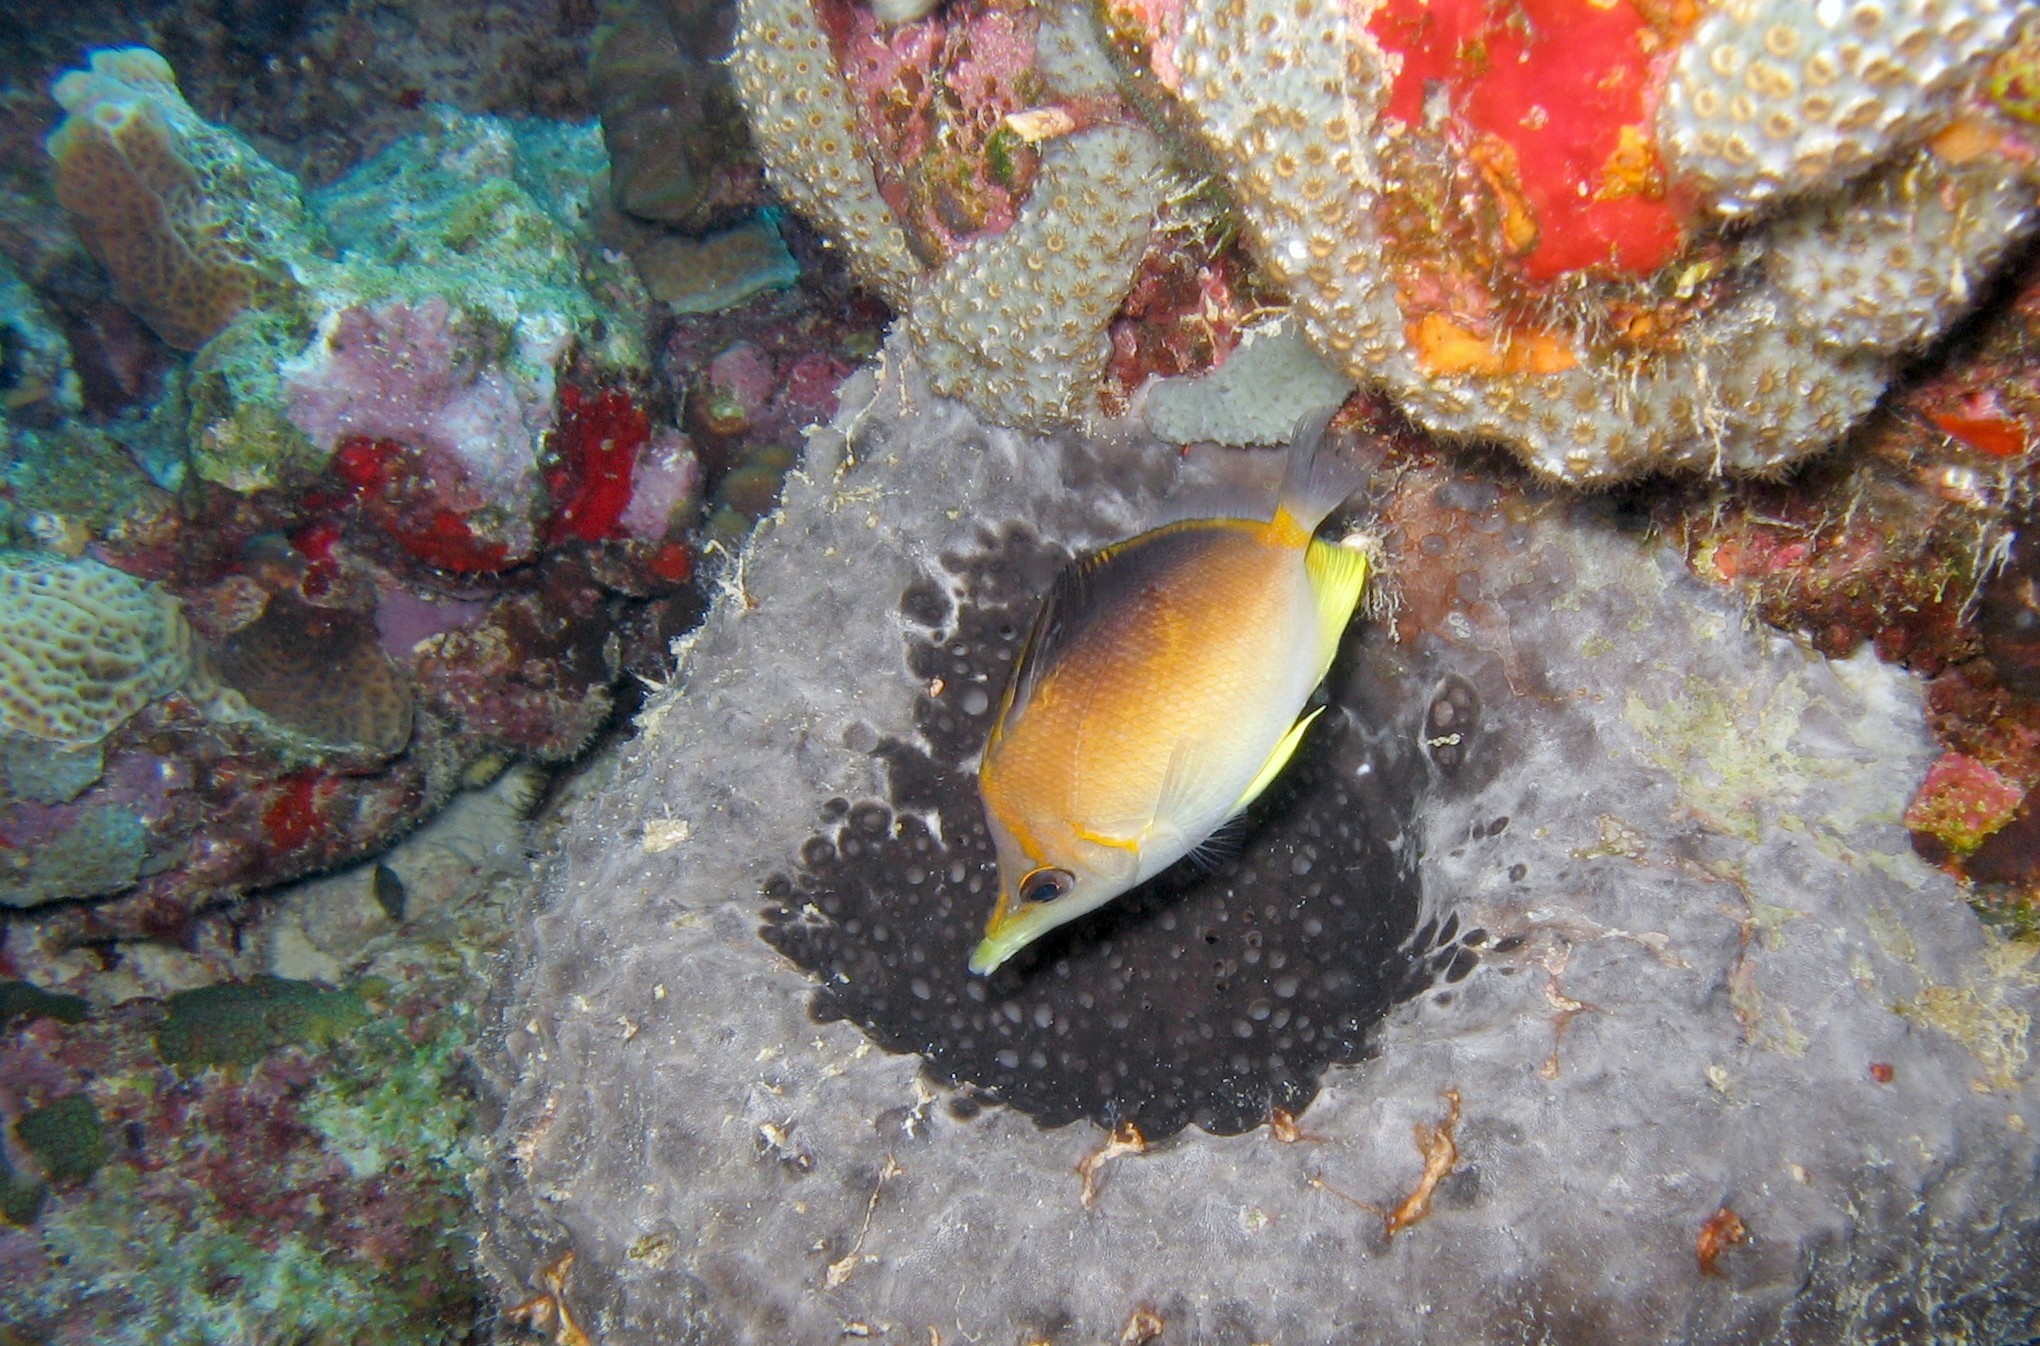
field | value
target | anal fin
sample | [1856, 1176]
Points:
[1285, 749]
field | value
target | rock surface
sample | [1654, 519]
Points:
[1734, 1065]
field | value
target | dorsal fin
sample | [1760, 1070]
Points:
[1316, 480]
[1102, 586]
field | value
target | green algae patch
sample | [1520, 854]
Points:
[21, 1198]
[1731, 760]
[66, 1137]
[1978, 1015]
[1993, 1032]
[396, 1095]
[240, 1023]
[26, 1000]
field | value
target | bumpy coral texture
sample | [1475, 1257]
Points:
[1766, 100]
[148, 183]
[1778, 362]
[1014, 322]
[807, 133]
[82, 647]
[1537, 228]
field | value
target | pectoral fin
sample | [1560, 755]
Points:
[1270, 769]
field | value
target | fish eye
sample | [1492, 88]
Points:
[1046, 885]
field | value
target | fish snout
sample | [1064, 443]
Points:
[1025, 910]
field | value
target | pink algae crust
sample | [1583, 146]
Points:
[1961, 802]
[932, 96]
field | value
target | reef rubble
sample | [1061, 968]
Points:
[1725, 1060]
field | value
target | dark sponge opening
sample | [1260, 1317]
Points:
[1210, 996]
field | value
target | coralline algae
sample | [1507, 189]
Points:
[1726, 1046]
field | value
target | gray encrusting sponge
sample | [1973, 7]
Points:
[1716, 991]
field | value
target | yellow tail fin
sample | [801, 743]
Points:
[1338, 575]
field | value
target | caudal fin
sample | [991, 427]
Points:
[1318, 479]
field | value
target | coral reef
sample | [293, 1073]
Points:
[1604, 380]
[1553, 229]
[319, 87]
[205, 1144]
[199, 1166]
[755, 378]
[1703, 970]
[1556, 901]
[422, 473]
[808, 136]
[1007, 264]
[1771, 100]
[461, 298]
[36, 375]
[710, 274]
[1017, 320]
[318, 675]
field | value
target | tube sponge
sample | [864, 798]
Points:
[178, 211]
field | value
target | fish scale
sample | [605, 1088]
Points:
[1156, 696]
